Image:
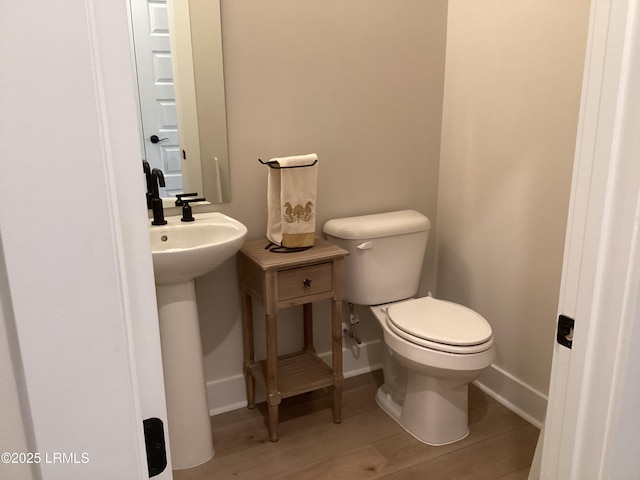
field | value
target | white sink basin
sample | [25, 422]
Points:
[183, 251]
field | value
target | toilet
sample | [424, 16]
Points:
[434, 348]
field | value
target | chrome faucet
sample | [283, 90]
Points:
[157, 177]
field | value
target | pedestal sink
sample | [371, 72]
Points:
[183, 251]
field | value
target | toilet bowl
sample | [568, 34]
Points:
[426, 387]
[434, 348]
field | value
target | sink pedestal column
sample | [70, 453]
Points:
[187, 409]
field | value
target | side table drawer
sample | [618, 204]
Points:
[298, 282]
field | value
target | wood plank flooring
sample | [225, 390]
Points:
[368, 444]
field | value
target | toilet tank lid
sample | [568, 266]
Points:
[377, 225]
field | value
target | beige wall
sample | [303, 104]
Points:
[512, 92]
[359, 83]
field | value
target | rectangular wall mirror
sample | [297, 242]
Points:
[180, 77]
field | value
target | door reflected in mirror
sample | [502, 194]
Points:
[178, 50]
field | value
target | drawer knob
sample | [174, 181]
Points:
[307, 283]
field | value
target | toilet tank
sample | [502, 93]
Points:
[386, 252]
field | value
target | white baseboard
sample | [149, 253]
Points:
[226, 394]
[514, 394]
[229, 393]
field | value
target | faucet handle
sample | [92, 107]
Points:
[187, 214]
[180, 200]
[186, 201]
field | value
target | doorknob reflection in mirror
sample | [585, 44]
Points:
[155, 139]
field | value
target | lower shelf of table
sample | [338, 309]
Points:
[298, 373]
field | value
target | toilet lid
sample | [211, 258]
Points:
[441, 323]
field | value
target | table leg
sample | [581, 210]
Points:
[248, 350]
[273, 394]
[307, 315]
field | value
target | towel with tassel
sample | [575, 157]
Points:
[291, 199]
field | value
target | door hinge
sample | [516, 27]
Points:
[565, 331]
[155, 445]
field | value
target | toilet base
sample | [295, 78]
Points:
[434, 411]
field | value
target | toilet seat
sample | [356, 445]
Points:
[440, 325]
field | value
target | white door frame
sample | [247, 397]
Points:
[76, 243]
[586, 429]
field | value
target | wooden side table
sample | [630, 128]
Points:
[283, 280]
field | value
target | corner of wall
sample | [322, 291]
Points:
[514, 394]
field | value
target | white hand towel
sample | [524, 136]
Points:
[291, 198]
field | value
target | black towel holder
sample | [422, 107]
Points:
[275, 165]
